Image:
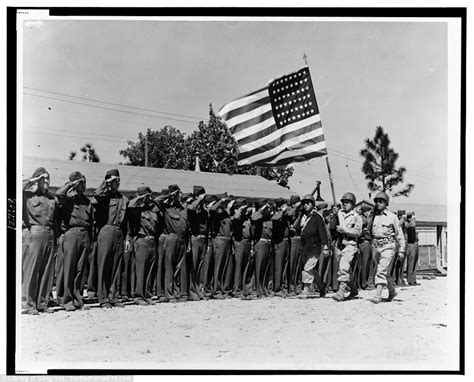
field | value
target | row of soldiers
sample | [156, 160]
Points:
[175, 247]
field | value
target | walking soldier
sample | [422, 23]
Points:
[386, 231]
[349, 230]
[77, 221]
[314, 241]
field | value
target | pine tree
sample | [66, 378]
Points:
[379, 166]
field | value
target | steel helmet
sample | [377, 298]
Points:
[308, 197]
[349, 196]
[381, 195]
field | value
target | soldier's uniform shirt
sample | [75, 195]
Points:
[175, 220]
[39, 209]
[241, 228]
[351, 222]
[111, 208]
[75, 211]
[262, 228]
[144, 220]
[411, 231]
[387, 225]
[280, 226]
[198, 219]
[220, 221]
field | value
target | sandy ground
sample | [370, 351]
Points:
[320, 333]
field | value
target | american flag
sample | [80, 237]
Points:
[278, 124]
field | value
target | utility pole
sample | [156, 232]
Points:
[146, 149]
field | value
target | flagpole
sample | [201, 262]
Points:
[305, 58]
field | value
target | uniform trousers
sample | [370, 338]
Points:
[384, 256]
[294, 263]
[310, 273]
[281, 255]
[109, 257]
[127, 271]
[367, 266]
[76, 246]
[412, 258]
[262, 250]
[346, 256]
[229, 270]
[198, 251]
[241, 253]
[160, 266]
[221, 253]
[175, 265]
[206, 273]
[59, 270]
[144, 250]
[25, 241]
[336, 257]
[92, 278]
[39, 267]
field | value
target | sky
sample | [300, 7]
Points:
[365, 74]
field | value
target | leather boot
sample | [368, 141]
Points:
[391, 294]
[339, 296]
[377, 297]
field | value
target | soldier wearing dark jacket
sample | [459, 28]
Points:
[144, 224]
[314, 241]
[40, 218]
[77, 221]
[112, 225]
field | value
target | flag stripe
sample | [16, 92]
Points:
[266, 126]
[255, 113]
[246, 108]
[284, 145]
[245, 100]
[293, 159]
[279, 135]
[302, 151]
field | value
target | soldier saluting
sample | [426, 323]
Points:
[40, 218]
[77, 219]
[111, 210]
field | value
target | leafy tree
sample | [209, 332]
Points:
[89, 154]
[379, 166]
[167, 148]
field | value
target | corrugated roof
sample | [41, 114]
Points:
[132, 177]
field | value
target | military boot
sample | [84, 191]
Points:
[391, 294]
[377, 297]
[304, 292]
[339, 296]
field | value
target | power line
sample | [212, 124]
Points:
[109, 108]
[78, 132]
[115, 104]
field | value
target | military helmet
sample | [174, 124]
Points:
[350, 197]
[381, 195]
[308, 197]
